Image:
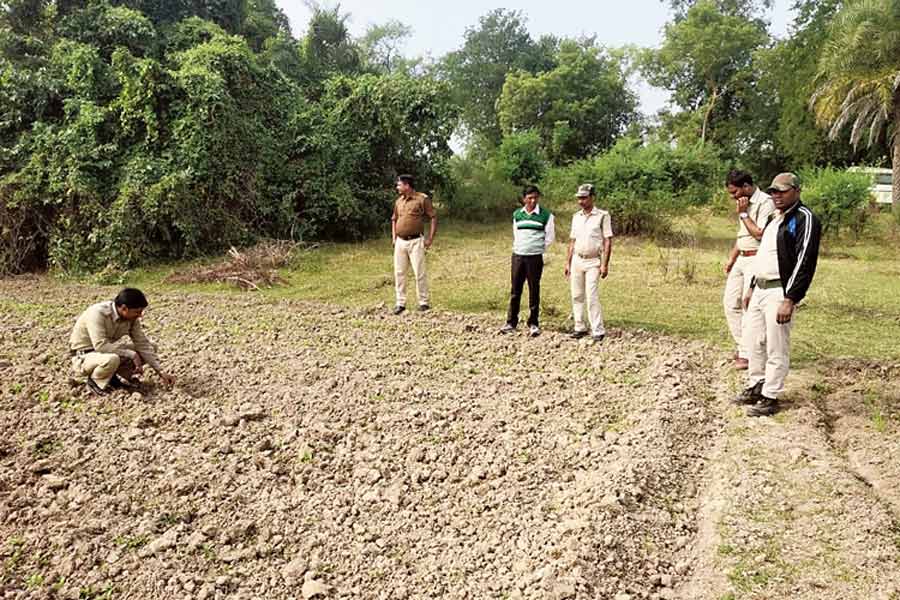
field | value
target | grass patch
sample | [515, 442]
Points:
[672, 286]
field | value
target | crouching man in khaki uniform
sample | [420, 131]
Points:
[96, 351]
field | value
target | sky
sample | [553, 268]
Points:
[438, 27]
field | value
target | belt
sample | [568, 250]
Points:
[767, 284]
[406, 238]
[748, 252]
[80, 352]
[587, 256]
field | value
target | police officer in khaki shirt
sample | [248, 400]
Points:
[407, 229]
[97, 353]
[753, 207]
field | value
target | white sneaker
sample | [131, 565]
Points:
[507, 329]
[534, 331]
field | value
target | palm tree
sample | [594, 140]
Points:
[858, 79]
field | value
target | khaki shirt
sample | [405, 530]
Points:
[100, 327]
[588, 231]
[410, 213]
[761, 206]
[765, 263]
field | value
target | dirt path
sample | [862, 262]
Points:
[317, 451]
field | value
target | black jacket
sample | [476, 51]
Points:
[798, 239]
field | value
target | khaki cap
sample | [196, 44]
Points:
[783, 182]
[584, 190]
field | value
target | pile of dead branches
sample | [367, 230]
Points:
[249, 269]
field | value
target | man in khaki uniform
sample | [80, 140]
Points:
[753, 207]
[96, 351]
[407, 228]
[590, 246]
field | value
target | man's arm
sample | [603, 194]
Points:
[431, 214]
[96, 330]
[147, 352]
[394, 225]
[569, 253]
[549, 233]
[732, 258]
[743, 205]
[607, 252]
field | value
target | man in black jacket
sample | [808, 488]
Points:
[783, 269]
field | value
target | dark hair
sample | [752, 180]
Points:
[739, 178]
[407, 179]
[531, 189]
[131, 298]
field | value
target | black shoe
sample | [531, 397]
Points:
[763, 408]
[399, 309]
[598, 338]
[96, 389]
[117, 383]
[750, 395]
[424, 307]
[577, 335]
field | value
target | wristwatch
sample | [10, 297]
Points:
[743, 215]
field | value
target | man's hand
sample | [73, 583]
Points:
[427, 243]
[728, 266]
[742, 204]
[785, 311]
[138, 364]
[746, 302]
[604, 271]
[167, 379]
[568, 270]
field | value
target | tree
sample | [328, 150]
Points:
[705, 62]
[858, 79]
[499, 45]
[579, 108]
[732, 7]
[381, 44]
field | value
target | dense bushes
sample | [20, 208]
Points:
[838, 197]
[127, 138]
[642, 185]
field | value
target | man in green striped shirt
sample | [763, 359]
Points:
[533, 232]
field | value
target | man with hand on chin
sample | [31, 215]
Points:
[782, 272]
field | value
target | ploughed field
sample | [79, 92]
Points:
[313, 450]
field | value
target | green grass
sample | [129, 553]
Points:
[676, 288]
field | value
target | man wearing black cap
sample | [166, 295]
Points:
[782, 272]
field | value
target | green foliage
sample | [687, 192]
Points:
[858, 75]
[520, 158]
[705, 61]
[838, 197]
[476, 193]
[500, 44]
[643, 186]
[579, 108]
[136, 131]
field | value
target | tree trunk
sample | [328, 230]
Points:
[895, 161]
[706, 117]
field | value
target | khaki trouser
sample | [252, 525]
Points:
[584, 280]
[101, 366]
[406, 253]
[770, 341]
[736, 287]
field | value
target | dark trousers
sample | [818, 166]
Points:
[525, 268]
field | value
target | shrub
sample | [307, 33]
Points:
[643, 186]
[520, 158]
[839, 198]
[475, 193]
